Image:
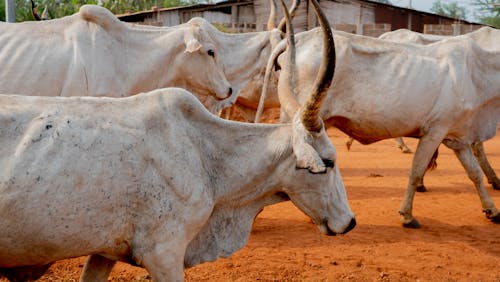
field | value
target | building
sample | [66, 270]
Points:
[355, 16]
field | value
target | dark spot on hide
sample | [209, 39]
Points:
[48, 126]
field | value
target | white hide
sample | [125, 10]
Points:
[409, 36]
[92, 53]
[152, 179]
[448, 91]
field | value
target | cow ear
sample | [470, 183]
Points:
[308, 158]
[306, 154]
[192, 45]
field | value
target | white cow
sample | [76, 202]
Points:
[487, 38]
[409, 36]
[92, 53]
[152, 179]
[446, 92]
[243, 58]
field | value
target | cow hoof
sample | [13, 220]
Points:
[421, 188]
[496, 185]
[414, 224]
[406, 150]
[494, 217]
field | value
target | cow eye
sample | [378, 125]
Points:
[211, 53]
[328, 163]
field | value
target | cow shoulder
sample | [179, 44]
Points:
[102, 17]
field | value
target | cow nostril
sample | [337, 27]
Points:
[230, 91]
[351, 226]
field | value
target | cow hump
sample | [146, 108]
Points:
[102, 17]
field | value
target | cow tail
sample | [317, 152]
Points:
[433, 162]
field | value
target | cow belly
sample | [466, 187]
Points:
[368, 132]
[40, 225]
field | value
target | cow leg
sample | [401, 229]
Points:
[402, 146]
[469, 162]
[478, 150]
[427, 145]
[165, 263]
[97, 268]
[349, 142]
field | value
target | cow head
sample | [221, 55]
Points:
[316, 186]
[201, 51]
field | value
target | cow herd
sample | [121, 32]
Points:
[107, 151]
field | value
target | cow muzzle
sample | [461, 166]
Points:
[326, 230]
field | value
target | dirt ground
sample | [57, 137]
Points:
[455, 243]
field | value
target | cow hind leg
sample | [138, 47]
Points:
[97, 268]
[349, 142]
[427, 145]
[473, 169]
[478, 150]
[24, 273]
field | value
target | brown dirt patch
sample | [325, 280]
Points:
[456, 242]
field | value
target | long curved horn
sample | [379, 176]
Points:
[310, 110]
[287, 98]
[272, 15]
[292, 12]
[34, 13]
[278, 50]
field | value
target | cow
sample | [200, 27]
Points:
[409, 36]
[92, 53]
[446, 92]
[482, 37]
[153, 179]
[243, 58]
[486, 38]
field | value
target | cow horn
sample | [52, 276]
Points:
[288, 102]
[33, 12]
[310, 110]
[272, 15]
[292, 12]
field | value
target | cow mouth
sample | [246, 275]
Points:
[228, 94]
[326, 230]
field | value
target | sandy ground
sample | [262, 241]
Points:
[456, 242]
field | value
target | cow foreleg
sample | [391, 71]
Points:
[165, 263]
[97, 268]
[478, 150]
[427, 145]
[469, 162]
[402, 146]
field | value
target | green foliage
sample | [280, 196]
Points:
[178, 3]
[2, 10]
[61, 8]
[452, 9]
[487, 12]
